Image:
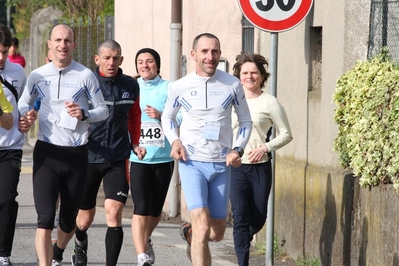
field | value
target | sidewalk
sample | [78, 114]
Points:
[168, 246]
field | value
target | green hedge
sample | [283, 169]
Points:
[367, 113]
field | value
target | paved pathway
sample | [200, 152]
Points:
[169, 247]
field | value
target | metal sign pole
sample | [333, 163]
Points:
[270, 206]
[274, 18]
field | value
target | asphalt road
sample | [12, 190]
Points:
[168, 246]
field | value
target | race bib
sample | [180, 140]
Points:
[211, 131]
[152, 134]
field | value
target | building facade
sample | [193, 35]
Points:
[320, 210]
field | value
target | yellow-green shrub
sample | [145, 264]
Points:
[367, 112]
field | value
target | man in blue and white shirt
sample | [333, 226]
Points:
[11, 143]
[204, 149]
[70, 98]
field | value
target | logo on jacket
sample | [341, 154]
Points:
[125, 95]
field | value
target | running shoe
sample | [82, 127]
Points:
[144, 262]
[150, 252]
[5, 261]
[186, 234]
[79, 256]
[56, 263]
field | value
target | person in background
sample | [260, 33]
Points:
[70, 99]
[13, 54]
[11, 143]
[109, 150]
[251, 182]
[205, 147]
[150, 177]
[49, 57]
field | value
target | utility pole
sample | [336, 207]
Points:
[8, 5]
[8, 14]
[175, 64]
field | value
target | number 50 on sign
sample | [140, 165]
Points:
[275, 15]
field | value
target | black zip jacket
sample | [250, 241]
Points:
[110, 140]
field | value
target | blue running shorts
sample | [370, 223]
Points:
[206, 185]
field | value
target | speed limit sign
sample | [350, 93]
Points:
[275, 15]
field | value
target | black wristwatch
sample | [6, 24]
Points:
[85, 114]
[239, 150]
[1, 112]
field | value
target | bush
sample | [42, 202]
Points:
[367, 113]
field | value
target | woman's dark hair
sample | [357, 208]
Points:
[15, 42]
[260, 62]
[154, 54]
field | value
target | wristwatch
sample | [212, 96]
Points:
[239, 150]
[1, 112]
[85, 114]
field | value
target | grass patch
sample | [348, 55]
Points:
[278, 248]
[260, 249]
[307, 260]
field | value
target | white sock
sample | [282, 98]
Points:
[142, 256]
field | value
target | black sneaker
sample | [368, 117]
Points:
[79, 256]
[186, 234]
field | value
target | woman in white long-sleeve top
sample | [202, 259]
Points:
[251, 182]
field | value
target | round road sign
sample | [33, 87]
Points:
[275, 15]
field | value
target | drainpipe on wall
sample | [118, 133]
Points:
[175, 64]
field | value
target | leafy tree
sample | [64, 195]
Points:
[71, 9]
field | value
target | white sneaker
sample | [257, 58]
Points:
[56, 263]
[5, 261]
[150, 252]
[144, 262]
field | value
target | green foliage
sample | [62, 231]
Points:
[71, 9]
[367, 113]
[278, 248]
[307, 260]
[260, 248]
[21, 18]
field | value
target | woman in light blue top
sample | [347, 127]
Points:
[150, 177]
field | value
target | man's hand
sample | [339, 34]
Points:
[25, 122]
[6, 121]
[73, 109]
[139, 151]
[233, 159]
[178, 151]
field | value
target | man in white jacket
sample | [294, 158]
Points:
[12, 78]
[70, 98]
[204, 149]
